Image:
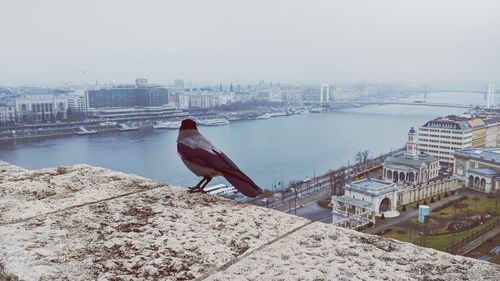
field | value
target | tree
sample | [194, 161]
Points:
[337, 182]
[362, 157]
[268, 195]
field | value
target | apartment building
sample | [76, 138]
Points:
[441, 137]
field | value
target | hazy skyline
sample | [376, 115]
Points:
[245, 41]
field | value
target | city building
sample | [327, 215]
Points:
[183, 101]
[140, 94]
[441, 137]
[478, 132]
[41, 107]
[362, 201]
[270, 95]
[492, 132]
[479, 169]
[413, 167]
[7, 111]
[77, 101]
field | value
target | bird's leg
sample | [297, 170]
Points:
[198, 187]
[205, 184]
[199, 184]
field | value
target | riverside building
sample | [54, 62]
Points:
[363, 200]
[140, 94]
[412, 167]
[441, 137]
[479, 169]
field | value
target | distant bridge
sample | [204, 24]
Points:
[364, 103]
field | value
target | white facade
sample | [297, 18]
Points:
[479, 169]
[77, 101]
[441, 138]
[7, 111]
[492, 135]
[362, 201]
[184, 101]
[413, 167]
[224, 98]
[39, 107]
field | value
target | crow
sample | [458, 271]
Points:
[205, 160]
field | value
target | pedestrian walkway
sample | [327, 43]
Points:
[406, 216]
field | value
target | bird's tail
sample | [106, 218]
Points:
[243, 184]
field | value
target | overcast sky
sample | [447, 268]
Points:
[244, 41]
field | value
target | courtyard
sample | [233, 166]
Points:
[449, 223]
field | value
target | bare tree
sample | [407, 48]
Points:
[268, 195]
[362, 158]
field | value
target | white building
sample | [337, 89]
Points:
[412, 167]
[7, 111]
[224, 98]
[201, 100]
[492, 132]
[443, 136]
[77, 101]
[39, 107]
[184, 101]
[362, 201]
[479, 169]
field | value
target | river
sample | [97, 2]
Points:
[270, 151]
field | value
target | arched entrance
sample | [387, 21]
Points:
[385, 205]
[389, 174]
[395, 176]
[411, 177]
[471, 181]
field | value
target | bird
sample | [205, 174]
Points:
[205, 160]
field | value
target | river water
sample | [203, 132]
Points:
[270, 151]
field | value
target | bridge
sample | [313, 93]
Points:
[368, 102]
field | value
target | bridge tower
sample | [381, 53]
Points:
[324, 93]
[490, 98]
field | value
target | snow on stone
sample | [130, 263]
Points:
[87, 223]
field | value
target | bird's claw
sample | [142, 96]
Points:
[195, 190]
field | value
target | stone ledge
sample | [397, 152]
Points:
[82, 223]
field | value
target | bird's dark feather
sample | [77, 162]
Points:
[219, 162]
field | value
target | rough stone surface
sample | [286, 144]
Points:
[87, 223]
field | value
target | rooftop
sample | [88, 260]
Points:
[370, 183]
[485, 171]
[423, 158]
[491, 154]
[449, 122]
[87, 223]
[354, 201]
